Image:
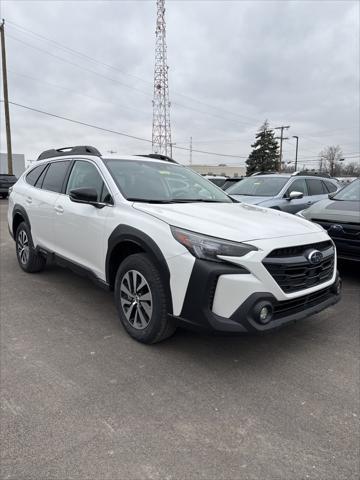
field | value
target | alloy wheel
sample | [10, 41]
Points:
[136, 299]
[23, 247]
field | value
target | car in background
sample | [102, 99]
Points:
[6, 181]
[339, 215]
[230, 181]
[217, 180]
[286, 192]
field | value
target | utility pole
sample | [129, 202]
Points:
[190, 150]
[161, 131]
[281, 138]
[297, 148]
[6, 98]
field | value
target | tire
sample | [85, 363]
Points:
[141, 300]
[29, 260]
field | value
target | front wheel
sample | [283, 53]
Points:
[141, 300]
[29, 259]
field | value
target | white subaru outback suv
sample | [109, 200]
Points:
[175, 248]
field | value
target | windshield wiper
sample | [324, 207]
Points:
[191, 200]
[173, 200]
[147, 200]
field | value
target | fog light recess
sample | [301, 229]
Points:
[263, 312]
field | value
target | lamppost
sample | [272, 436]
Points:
[297, 147]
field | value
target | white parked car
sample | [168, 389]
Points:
[175, 248]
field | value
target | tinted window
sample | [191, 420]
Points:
[86, 175]
[55, 176]
[298, 185]
[315, 186]
[258, 186]
[330, 186]
[31, 177]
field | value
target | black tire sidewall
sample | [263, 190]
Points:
[35, 262]
[143, 264]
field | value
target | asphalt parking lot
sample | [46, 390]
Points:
[81, 400]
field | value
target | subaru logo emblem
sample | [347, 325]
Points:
[336, 229]
[314, 257]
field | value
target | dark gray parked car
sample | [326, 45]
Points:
[6, 181]
[340, 216]
[287, 192]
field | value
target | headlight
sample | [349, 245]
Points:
[210, 248]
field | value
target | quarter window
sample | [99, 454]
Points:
[315, 186]
[34, 174]
[55, 175]
[330, 186]
[86, 175]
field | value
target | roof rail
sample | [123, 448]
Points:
[158, 156]
[306, 173]
[263, 173]
[78, 150]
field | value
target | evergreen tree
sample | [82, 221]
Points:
[265, 155]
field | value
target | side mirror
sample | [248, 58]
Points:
[331, 195]
[84, 195]
[295, 195]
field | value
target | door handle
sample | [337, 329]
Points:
[59, 209]
[309, 203]
[28, 200]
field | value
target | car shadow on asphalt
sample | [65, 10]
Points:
[299, 338]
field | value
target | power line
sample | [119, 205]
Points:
[61, 87]
[79, 122]
[88, 57]
[113, 79]
[61, 117]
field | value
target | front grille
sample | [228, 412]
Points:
[292, 271]
[289, 307]
[300, 249]
[348, 231]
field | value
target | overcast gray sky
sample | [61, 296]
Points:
[232, 65]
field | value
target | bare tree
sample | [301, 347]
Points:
[329, 160]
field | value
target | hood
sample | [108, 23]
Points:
[334, 210]
[252, 200]
[232, 221]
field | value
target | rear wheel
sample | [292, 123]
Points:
[141, 300]
[29, 260]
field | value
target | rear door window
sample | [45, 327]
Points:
[315, 186]
[55, 175]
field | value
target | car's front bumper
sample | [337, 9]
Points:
[198, 306]
[226, 296]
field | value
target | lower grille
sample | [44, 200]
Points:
[294, 272]
[288, 307]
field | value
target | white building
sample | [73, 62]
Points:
[225, 170]
[18, 163]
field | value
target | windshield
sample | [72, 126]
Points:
[258, 186]
[350, 192]
[159, 182]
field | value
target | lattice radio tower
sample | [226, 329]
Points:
[161, 130]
